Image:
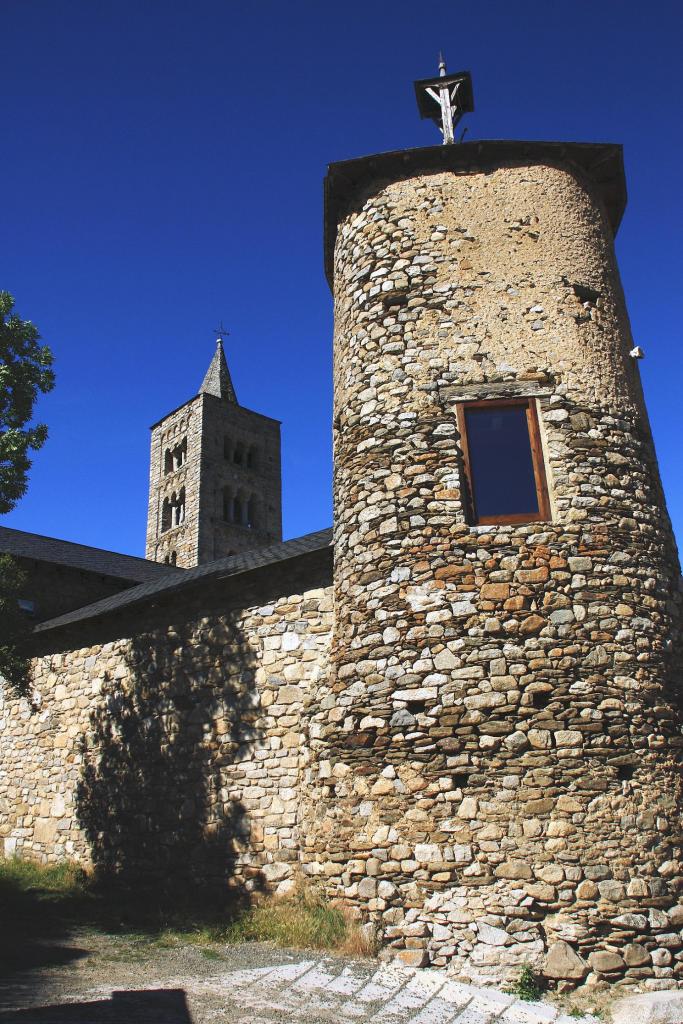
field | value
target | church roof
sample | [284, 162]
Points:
[82, 557]
[217, 381]
[221, 569]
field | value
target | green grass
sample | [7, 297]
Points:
[211, 954]
[304, 919]
[35, 896]
[61, 880]
[48, 903]
[37, 905]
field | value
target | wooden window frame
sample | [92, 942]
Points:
[543, 515]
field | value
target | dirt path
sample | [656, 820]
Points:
[103, 979]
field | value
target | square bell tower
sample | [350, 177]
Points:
[215, 476]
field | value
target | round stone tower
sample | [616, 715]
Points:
[496, 762]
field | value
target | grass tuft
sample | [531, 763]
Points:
[303, 919]
[529, 986]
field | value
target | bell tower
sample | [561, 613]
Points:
[215, 480]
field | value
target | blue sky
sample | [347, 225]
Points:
[162, 169]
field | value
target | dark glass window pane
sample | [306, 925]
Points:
[501, 463]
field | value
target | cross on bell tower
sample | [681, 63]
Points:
[445, 99]
[221, 332]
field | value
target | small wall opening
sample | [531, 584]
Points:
[416, 707]
[588, 296]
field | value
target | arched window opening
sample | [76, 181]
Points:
[176, 457]
[179, 508]
[227, 505]
[165, 515]
[237, 510]
[174, 558]
[252, 458]
[238, 455]
[173, 511]
[251, 513]
[180, 454]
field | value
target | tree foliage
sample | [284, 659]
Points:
[25, 371]
[14, 625]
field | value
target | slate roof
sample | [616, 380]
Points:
[83, 557]
[217, 381]
[222, 568]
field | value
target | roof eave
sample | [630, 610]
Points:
[226, 568]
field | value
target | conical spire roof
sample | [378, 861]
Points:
[217, 380]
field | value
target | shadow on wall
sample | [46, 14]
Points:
[164, 743]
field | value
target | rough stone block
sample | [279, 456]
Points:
[563, 962]
[605, 962]
[649, 1008]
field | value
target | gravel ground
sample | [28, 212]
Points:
[103, 979]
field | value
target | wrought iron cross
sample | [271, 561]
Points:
[221, 332]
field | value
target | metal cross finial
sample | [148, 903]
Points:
[221, 332]
[445, 99]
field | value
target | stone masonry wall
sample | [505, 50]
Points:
[497, 752]
[183, 425]
[230, 430]
[168, 747]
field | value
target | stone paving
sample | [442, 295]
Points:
[287, 987]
